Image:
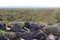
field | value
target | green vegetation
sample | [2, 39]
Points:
[3, 33]
[52, 29]
[33, 15]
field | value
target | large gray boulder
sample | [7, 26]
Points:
[51, 37]
[15, 28]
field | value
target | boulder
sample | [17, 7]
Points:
[15, 27]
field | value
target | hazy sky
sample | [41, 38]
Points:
[29, 3]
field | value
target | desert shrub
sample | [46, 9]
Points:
[52, 29]
[33, 15]
[3, 33]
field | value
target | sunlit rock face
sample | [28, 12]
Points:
[50, 37]
[21, 39]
